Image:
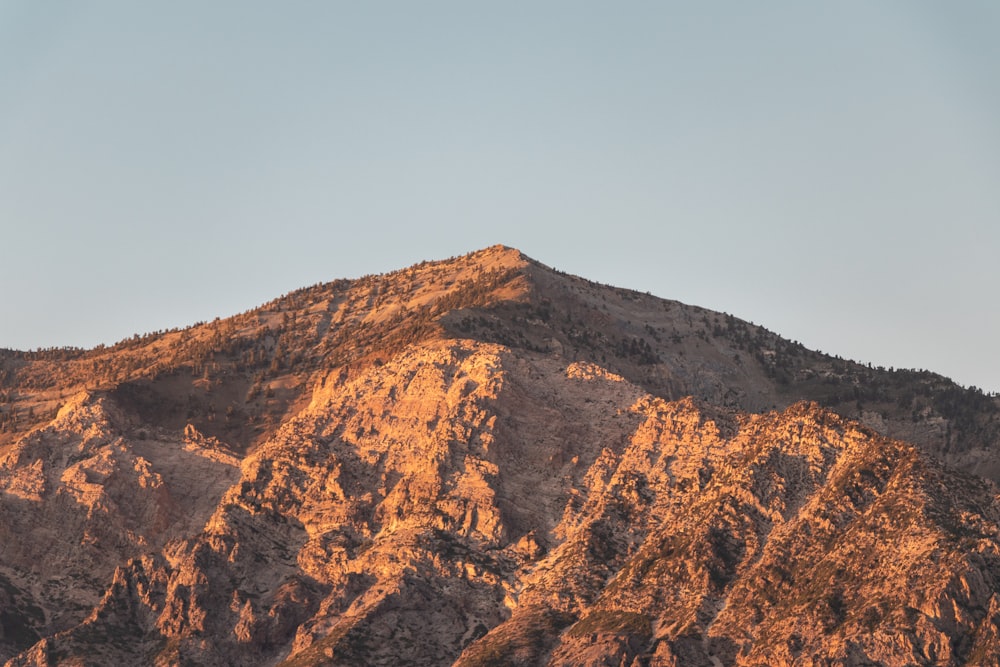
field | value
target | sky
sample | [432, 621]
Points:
[830, 171]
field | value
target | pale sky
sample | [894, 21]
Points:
[828, 170]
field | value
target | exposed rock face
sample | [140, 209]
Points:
[482, 462]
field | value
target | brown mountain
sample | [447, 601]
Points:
[483, 461]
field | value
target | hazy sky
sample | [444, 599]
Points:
[829, 170]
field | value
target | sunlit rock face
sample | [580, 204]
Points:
[485, 462]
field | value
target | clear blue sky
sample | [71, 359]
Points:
[829, 170]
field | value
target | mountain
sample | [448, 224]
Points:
[483, 461]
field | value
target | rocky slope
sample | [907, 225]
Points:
[485, 462]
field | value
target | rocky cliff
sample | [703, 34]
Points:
[485, 462]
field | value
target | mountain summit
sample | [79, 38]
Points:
[483, 461]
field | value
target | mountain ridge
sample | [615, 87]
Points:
[934, 404]
[485, 461]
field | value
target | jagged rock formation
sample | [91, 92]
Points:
[484, 462]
